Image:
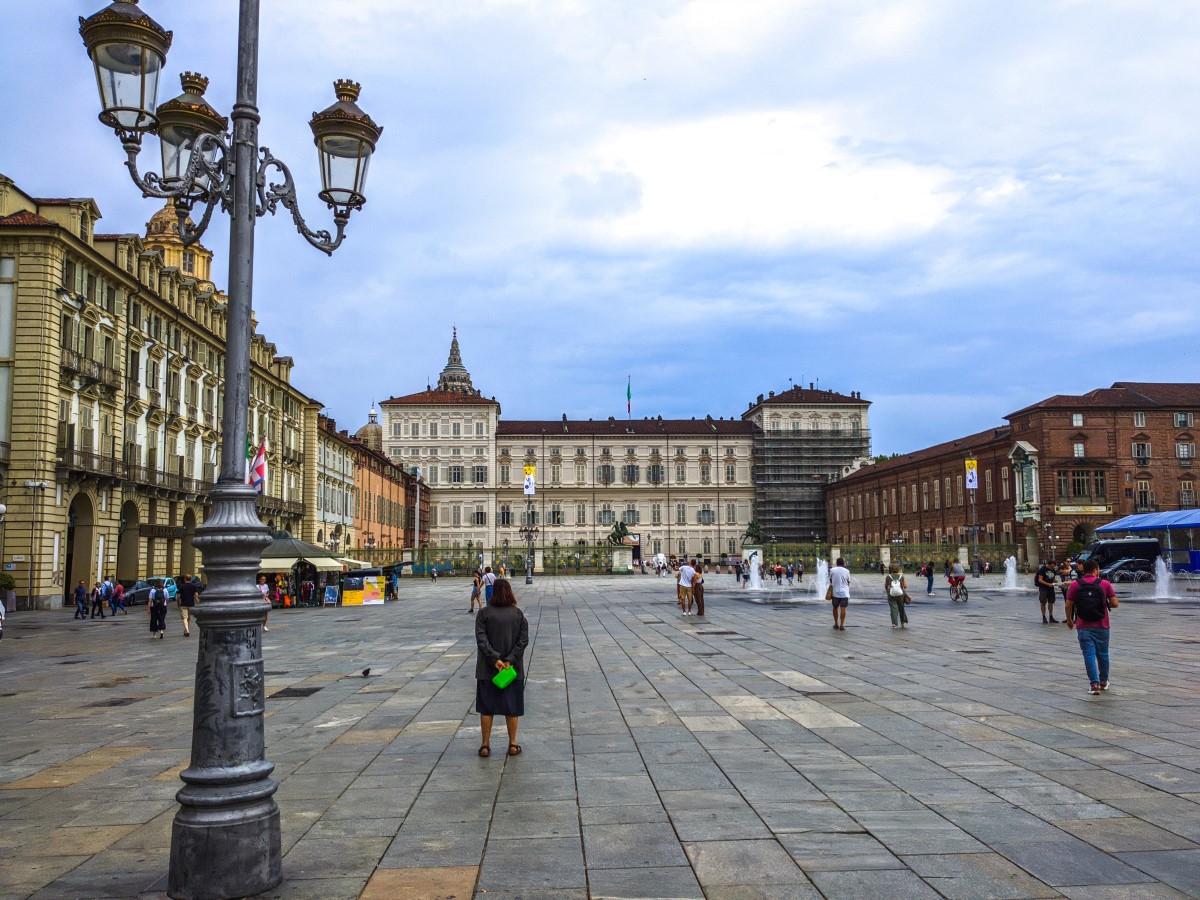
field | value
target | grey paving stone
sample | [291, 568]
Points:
[1068, 861]
[632, 846]
[645, 883]
[855, 885]
[536, 819]
[532, 864]
[742, 863]
[977, 876]
[838, 852]
[1178, 868]
[732, 823]
[806, 816]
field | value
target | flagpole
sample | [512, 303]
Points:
[629, 396]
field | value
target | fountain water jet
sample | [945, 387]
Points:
[821, 580]
[755, 574]
[1010, 574]
[1162, 579]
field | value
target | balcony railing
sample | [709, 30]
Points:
[192, 412]
[154, 398]
[110, 377]
[173, 406]
[133, 388]
[80, 364]
[72, 460]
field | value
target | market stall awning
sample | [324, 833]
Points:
[320, 563]
[357, 563]
[325, 564]
[1159, 521]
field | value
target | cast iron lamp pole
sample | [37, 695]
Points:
[225, 840]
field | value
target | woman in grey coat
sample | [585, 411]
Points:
[502, 633]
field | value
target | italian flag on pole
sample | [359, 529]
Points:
[629, 395]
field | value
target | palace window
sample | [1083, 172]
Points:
[630, 516]
[1079, 450]
[580, 513]
[655, 473]
[605, 515]
[730, 513]
[456, 429]
[705, 473]
[1141, 452]
[655, 513]
[606, 473]
[705, 515]
[456, 474]
[1076, 420]
[1004, 488]
[630, 474]
[1183, 419]
[505, 473]
[730, 473]
[480, 515]
[680, 473]
[1139, 420]
[556, 514]
[1185, 451]
[479, 474]
[506, 517]
[680, 513]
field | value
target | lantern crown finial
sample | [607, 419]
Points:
[193, 83]
[346, 90]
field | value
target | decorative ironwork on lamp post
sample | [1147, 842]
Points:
[225, 840]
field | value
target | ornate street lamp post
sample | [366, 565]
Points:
[225, 840]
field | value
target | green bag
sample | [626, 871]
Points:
[505, 677]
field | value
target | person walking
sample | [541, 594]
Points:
[501, 634]
[98, 599]
[109, 595]
[81, 600]
[839, 593]
[1088, 601]
[476, 584]
[433, 573]
[1044, 579]
[686, 576]
[156, 605]
[745, 567]
[489, 584]
[896, 590]
[185, 598]
[929, 577]
[698, 588]
[799, 571]
[265, 590]
[119, 598]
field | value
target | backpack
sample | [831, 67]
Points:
[1090, 602]
[106, 589]
[895, 589]
[158, 597]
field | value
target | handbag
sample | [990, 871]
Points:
[907, 598]
[829, 592]
[505, 677]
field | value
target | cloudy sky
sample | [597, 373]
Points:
[956, 208]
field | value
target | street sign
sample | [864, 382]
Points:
[972, 475]
[18, 557]
[531, 470]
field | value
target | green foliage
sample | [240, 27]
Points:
[1075, 547]
[6, 582]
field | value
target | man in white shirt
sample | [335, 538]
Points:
[839, 585]
[686, 574]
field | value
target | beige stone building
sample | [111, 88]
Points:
[111, 381]
[684, 486]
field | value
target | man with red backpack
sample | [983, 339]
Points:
[1088, 601]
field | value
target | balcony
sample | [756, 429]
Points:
[72, 461]
[110, 377]
[210, 418]
[174, 407]
[193, 413]
[154, 398]
[133, 388]
[292, 457]
[78, 364]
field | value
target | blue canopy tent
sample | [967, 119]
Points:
[1178, 532]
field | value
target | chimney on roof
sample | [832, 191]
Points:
[760, 398]
[771, 393]
[810, 385]
[564, 418]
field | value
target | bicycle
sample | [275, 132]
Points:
[958, 591]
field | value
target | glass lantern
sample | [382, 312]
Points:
[345, 137]
[128, 50]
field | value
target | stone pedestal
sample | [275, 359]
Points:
[622, 560]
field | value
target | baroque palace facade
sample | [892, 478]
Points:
[687, 487]
[111, 383]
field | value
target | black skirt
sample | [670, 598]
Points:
[491, 701]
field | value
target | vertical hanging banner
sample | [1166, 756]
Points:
[530, 480]
[972, 474]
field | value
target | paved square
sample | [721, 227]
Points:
[755, 752]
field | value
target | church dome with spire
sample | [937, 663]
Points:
[371, 434]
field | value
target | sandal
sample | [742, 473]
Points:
[514, 749]
[485, 750]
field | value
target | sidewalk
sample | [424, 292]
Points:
[754, 753]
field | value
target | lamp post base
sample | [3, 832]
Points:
[222, 852]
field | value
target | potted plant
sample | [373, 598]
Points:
[8, 591]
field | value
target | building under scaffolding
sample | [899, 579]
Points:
[804, 438]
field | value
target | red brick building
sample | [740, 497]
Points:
[1060, 468]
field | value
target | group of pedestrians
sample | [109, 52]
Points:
[109, 592]
[689, 588]
[483, 586]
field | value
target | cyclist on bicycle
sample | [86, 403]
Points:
[956, 577]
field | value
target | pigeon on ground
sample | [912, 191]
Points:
[366, 671]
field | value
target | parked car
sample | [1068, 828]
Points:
[1129, 569]
[137, 593]
[167, 583]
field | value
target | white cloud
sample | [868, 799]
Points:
[765, 177]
